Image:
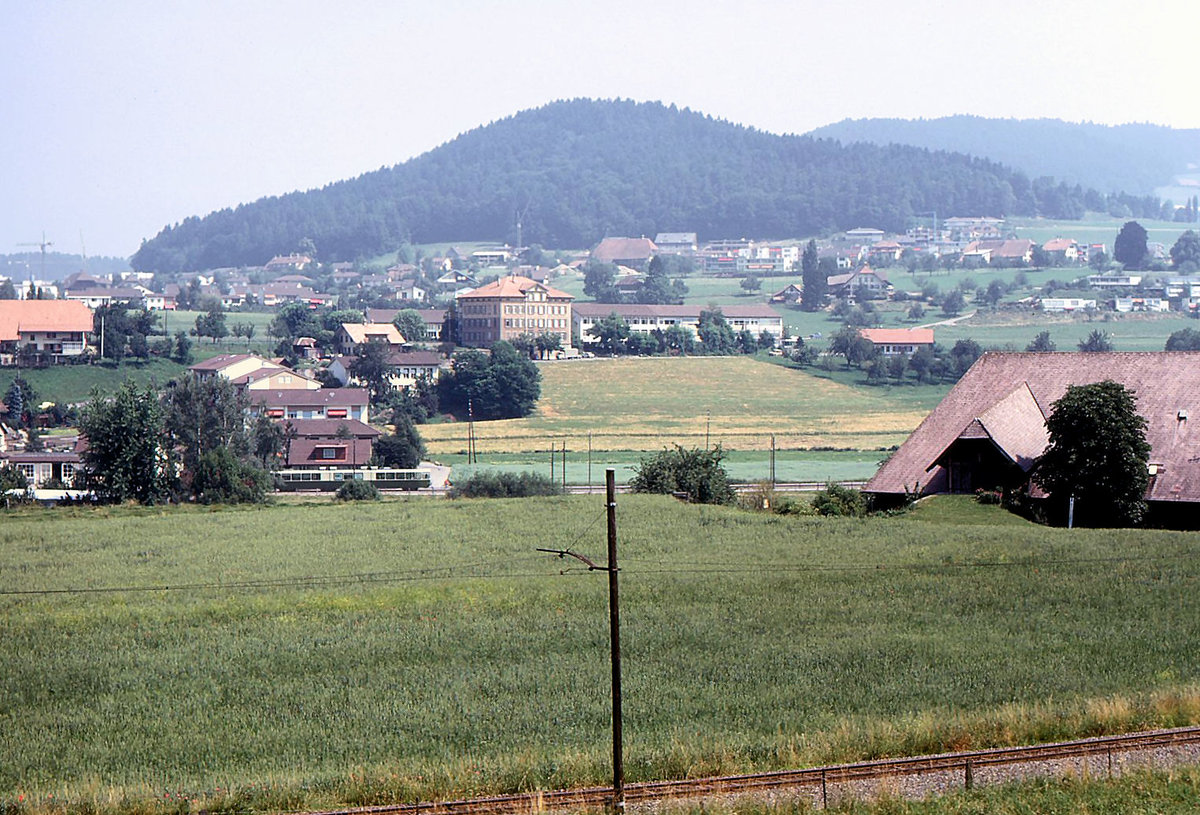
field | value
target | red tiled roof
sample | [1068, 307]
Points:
[898, 336]
[512, 286]
[355, 397]
[1058, 244]
[1166, 386]
[303, 452]
[18, 316]
[328, 428]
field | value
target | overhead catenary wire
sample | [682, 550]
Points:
[632, 567]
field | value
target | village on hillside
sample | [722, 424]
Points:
[340, 335]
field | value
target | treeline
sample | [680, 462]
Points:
[575, 171]
[1133, 157]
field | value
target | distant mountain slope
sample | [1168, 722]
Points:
[1135, 158]
[578, 170]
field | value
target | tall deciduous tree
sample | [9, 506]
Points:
[410, 324]
[610, 332]
[202, 415]
[1185, 254]
[1098, 453]
[500, 385]
[1130, 247]
[127, 455]
[715, 334]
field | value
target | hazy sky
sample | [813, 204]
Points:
[122, 116]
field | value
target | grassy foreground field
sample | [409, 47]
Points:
[321, 654]
[739, 402]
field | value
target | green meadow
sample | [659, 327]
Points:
[325, 655]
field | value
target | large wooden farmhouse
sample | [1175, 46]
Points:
[990, 429]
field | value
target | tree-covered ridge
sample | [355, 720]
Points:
[1135, 158]
[575, 171]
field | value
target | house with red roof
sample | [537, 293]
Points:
[52, 330]
[898, 341]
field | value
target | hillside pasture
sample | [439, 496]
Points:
[648, 403]
[329, 655]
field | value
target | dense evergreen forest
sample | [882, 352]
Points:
[1135, 158]
[575, 171]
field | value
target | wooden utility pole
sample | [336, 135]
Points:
[614, 612]
[614, 627]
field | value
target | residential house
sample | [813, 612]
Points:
[318, 443]
[989, 431]
[790, 294]
[306, 348]
[94, 298]
[863, 279]
[350, 336]
[998, 252]
[846, 257]
[456, 279]
[325, 403]
[408, 289]
[52, 330]
[676, 243]
[891, 342]
[510, 307]
[647, 318]
[632, 252]
[1142, 304]
[47, 466]
[275, 379]
[407, 368]
[972, 228]
[282, 263]
[1062, 250]
[884, 253]
[494, 256]
[232, 366]
[435, 319]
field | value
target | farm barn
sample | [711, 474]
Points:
[990, 429]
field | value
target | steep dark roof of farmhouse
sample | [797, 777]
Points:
[1166, 387]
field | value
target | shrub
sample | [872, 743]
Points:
[983, 496]
[357, 491]
[494, 484]
[838, 501]
[222, 478]
[696, 473]
[762, 498]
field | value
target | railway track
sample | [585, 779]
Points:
[825, 785]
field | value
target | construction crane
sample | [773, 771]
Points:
[44, 243]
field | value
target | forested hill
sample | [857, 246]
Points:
[577, 170]
[1135, 158]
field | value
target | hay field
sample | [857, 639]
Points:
[647, 403]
